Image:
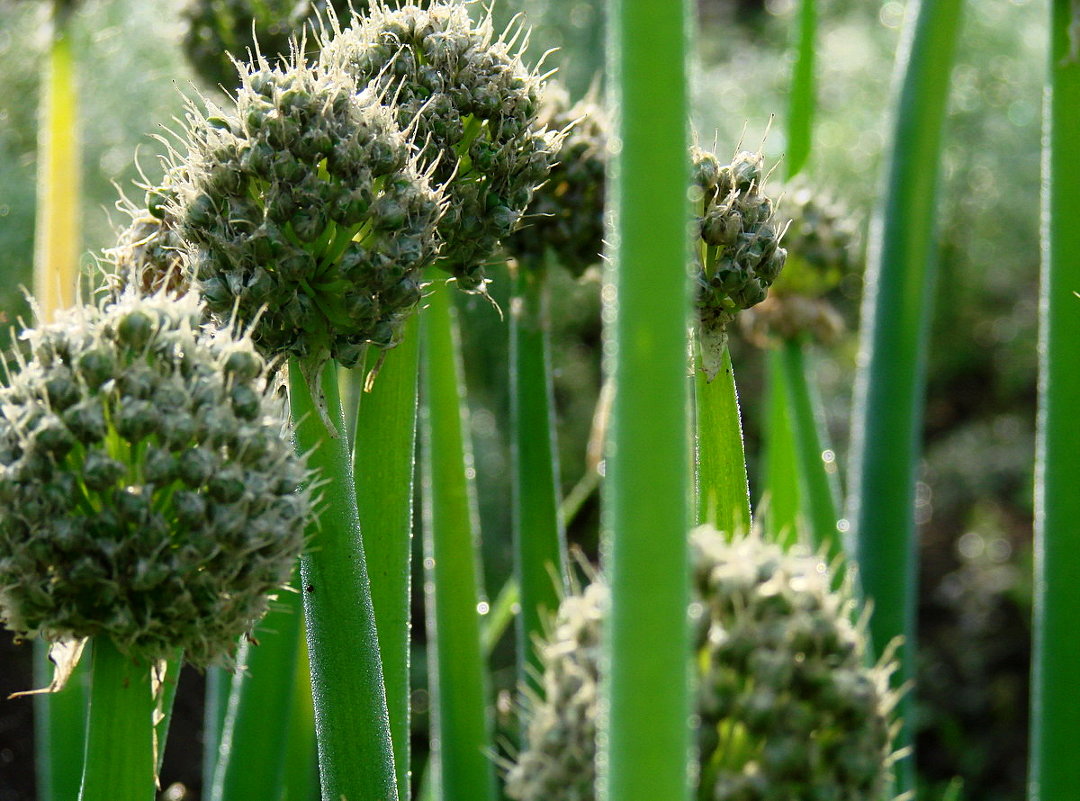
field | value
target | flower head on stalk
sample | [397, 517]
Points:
[148, 489]
[474, 105]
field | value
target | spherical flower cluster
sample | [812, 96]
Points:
[473, 105]
[822, 247]
[217, 29]
[558, 762]
[147, 490]
[304, 209]
[739, 253]
[787, 708]
[566, 216]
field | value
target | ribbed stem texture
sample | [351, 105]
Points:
[539, 540]
[356, 758]
[645, 743]
[781, 468]
[463, 724]
[119, 760]
[1055, 719]
[887, 415]
[383, 463]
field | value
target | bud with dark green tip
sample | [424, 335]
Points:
[738, 252]
[566, 216]
[111, 516]
[323, 216]
[473, 105]
[787, 708]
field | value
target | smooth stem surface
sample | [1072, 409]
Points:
[251, 752]
[301, 779]
[781, 490]
[57, 234]
[383, 465]
[801, 101]
[119, 760]
[817, 492]
[723, 495]
[59, 727]
[646, 744]
[1055, 770]
[216, 703]
[539, 540]
[887, 413]
[356, 759]
[459, 691]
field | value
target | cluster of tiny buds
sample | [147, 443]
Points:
[739, 253]
[303, 208]
[148, 488]
[786, 708]
[473, 104]
[566, 217]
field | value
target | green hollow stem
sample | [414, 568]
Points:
[1055, 716]
[801, 100]
[723, 494]
[816, 465]
[215, 705]
[251, 752]
[59, 727]
[459, 692]
[888, 407]
[539, 538]
[645, 741]
[781, 502]
[301, 778]
[119, 759]
[356, 759]
[57, 229]
[383, 465]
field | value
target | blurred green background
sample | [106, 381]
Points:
[974, 500]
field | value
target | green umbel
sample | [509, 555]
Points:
[787, 707]
[148, 493]
[304, 210]
[566, 216]
[472, 103]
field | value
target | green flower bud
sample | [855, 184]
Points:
[738, 253]
[336, 175]
[105, 527]
[787, 707]
[472, 104]
[566, 215]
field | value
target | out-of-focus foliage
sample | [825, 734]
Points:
[129, 72]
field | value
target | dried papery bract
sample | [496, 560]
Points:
[566, 216]
[218, 30]
[739, 253]
[787, 707]
[305, 210]
[472, 103]
[150, 493]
